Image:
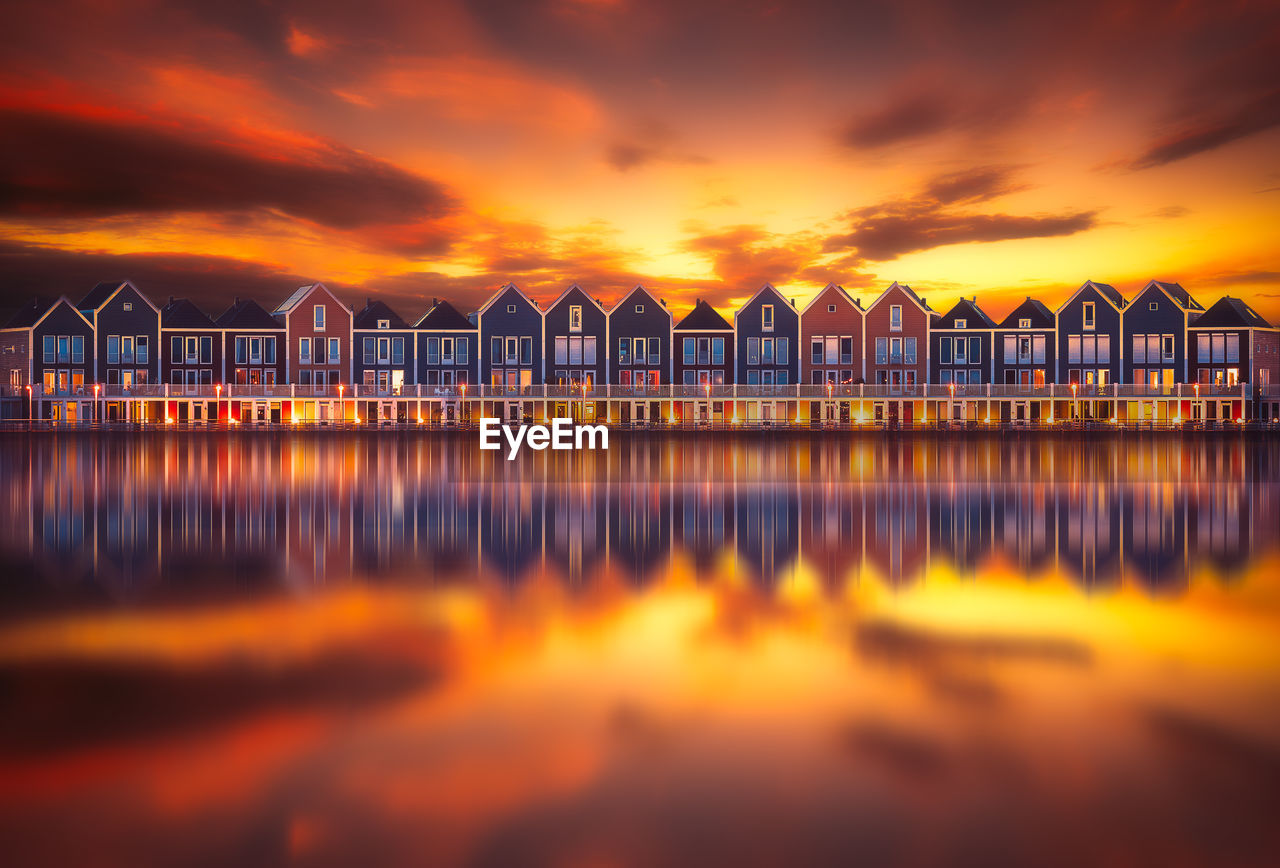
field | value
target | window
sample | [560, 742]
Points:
[753, 351]
[1024, 323]
[960, 351]
[269, 351]
[511, 308]
[526, 351]
[909, 356]
[1073, 349]
[193, 351]
[944, 352]
[717, 351]
[384, 323]
[304, 351]
[64, 349]
[895, 351]
[753, 378]
[704, 351]
[975, 350]
[461, 352]
[846, 351]
[1168, 348]
[1140, 349]
[655, 352]
[335, 353]
[641, 351]
[639, 308]
[77, 349]
[831, 308]
[895, 317]
[766, 317]
[126, 349]
[1089, 320]
[815, 351]
[51, 352]
[369, 344]
[882, 351]
[255, 350]
[175, 350]
[575, 317]
[690, 350]
[318, 314]
[589, 350]
[143, 349]
[1010, 350]
[690, 377]
[561, 350]
[446, 351]
[1037, 343]
[1104, 349]
[624, 351]
[784, 353]
[397, 351]
[128, 306]
[962, 323]
[241, 351]
[384, 350]
[1233, 347]
[206, 349]
[766, 351]
[1153, 306]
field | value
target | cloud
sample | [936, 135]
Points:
[1211, 133]
[899, 121]
[890, 229]
[744, 257]
[625, 156]
[60, 164]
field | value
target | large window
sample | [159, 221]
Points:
[51, 349]
[717, 351]
[690, 351]
[397, 351]
[766, 317]
[895, 317]
[753, 351]
[318, 317]
[1089, 316]
[882, 351]
[335, 351]
[526, 351]
[113, 349]
[575, 317]
[624, 351]
[370, 351]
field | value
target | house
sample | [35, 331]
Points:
[575, 337]
[448, 347]
[1154, 325]
[1231, 343]
[703, 348]
[383, 349]
[317, 337]
[1025, 342]
[640, 340]
[1089, 335]
[50, 345]
[960, 345]
[252, 345]
[767, 330]
[191, 346]
[126, 327]
[897, 338]
[831, 338]
[510, 326]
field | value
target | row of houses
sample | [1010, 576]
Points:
[116, 336]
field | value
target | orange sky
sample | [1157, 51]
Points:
[413, 150]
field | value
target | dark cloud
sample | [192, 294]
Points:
[65, 165]
[973, 185]
[900, 121]
[1212, 133]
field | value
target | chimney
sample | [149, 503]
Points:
[858, 301]
[434, 301]
[170, 299]
[793, 302]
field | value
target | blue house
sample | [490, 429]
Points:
[1155, 334]
[126, 326]
[50, 345]
[448, 351]
[767, 330]
[576, 338]
[640, 340]
[1089, 335]
[702, 353]
[510, 325]
[383, 348]
[1025, 344]
[961, 341]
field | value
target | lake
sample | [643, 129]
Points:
[393, 648]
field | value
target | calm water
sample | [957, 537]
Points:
[392, 648]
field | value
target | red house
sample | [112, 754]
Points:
[897, 336]
[317, 337]
[831, 338]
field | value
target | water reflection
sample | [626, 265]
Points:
[127, 513]
[391, 649]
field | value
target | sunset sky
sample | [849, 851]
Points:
[417, 149]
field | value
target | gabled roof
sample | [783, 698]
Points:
[180, 313]
[1180, 296]
[920, 302]
[839, 290]
[1228, 312]
[444, 317]
[248, 315]
[703, 318]
[1106, 290]
[967, 310]
[768, 287]
[299, 294]
[570, 288]
[503, 291]
[105, 291]
[626, 300]
[1033, 309]
[375, 310]
[29, 314]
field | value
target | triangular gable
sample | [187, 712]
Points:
[444, 317]
[969, 310]
[303, 292]
[1035, 308]
[99, 297]
[626, 299]
[1173, 291]
[768, 287]
[703, 318]
[570, 289]
[248, 315]
[1229, 312]
[374, 310]
[839, 291]
[1098, 288]
[503, 291]
[909, 292]
[62, 300]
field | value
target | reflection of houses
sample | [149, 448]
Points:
[833, 530]
[1155, 535]
[1089, 531]
[639, 526]
[961, 520]
[575, 526]
[767, 528]
[898, 531]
